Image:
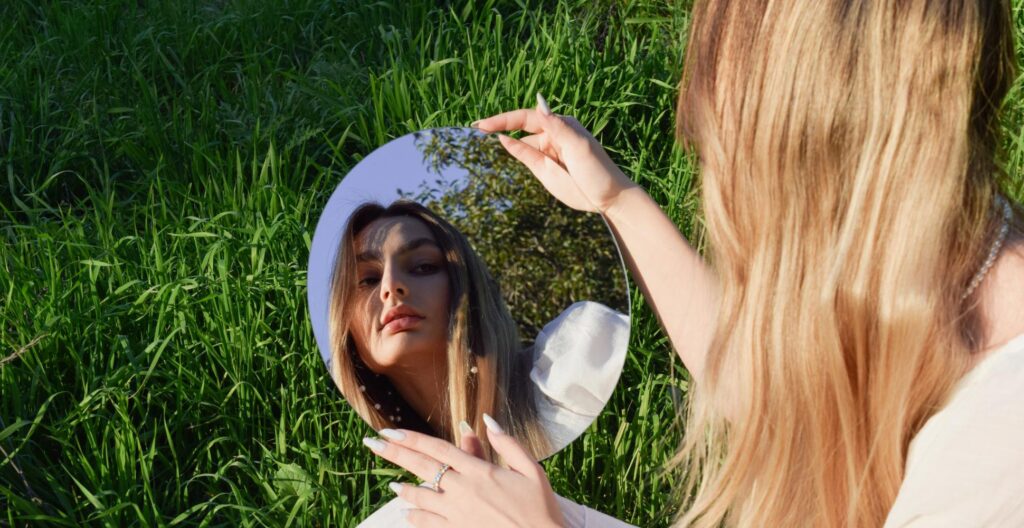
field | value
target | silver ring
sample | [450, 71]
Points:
[437, 478]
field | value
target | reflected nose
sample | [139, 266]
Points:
[391, 283]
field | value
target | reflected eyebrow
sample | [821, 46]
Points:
[373, 255]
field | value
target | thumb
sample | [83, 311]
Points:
[517, 458]
[535, 160]
[552, 175]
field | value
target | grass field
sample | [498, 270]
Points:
[162, 168]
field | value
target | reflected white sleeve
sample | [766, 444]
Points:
[578, 357]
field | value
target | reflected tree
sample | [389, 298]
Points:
[544, 255]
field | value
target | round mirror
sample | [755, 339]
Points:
[445, 282]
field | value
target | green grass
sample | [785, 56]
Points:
[162, 169]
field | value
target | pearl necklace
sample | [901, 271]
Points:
[1007, 215]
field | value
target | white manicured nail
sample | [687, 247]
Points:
[492, 425]
[542, 105]
[392, 434]
[374, 444]
[395, 487]
[464, 428]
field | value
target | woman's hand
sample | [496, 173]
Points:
[563, 155]
[472, 492]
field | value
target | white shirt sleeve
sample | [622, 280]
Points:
[965, 467]
[389, 515]
[578, 357]
[576, 516]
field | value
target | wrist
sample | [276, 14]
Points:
[618, 205]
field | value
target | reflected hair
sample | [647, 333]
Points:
[481, 333]
[849, 153]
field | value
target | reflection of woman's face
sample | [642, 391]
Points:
[400, 317]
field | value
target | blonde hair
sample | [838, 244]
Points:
[481, 333]
[848, 152]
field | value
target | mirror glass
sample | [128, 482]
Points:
[445, 282]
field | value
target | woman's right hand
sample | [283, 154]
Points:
[563, 155]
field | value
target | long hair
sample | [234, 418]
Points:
[481, 333]
[849, 157]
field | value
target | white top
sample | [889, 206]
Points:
[575, 516]
[966, 465]
[578, 357]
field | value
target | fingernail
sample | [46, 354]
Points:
[464, 428]
[392, 434]
[542, 105]
[395, 487]
[492, 425]
[374, 444]
[475, 124]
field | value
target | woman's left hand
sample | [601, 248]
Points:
[472, 492]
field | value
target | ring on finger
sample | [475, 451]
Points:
[436, 485]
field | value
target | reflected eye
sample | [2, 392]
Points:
[425, 269]
[368, 281]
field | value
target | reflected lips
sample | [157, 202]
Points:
[402, 322]
[400, 318]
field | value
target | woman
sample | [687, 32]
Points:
[856, 349]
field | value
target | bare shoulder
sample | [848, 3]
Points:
[1002, 299]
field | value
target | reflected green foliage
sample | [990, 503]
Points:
[544, 255]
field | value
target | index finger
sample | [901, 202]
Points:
[527, 119]
[440, 450]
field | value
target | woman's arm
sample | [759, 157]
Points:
[676, 281]
[573, 167]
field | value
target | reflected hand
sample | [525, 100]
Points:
[472, 492]
[563, 155]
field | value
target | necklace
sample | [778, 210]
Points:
[1007, 215]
